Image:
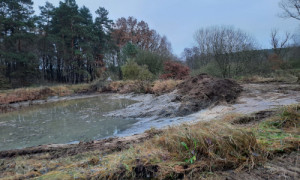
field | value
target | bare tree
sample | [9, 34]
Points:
[291, 9]
[225, 45]
[279, 44]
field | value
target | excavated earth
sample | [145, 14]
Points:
[202, 91]
[192, 95]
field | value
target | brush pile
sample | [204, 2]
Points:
[202, 91]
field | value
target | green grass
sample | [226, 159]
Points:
[280, 132]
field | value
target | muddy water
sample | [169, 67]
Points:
[63, 122]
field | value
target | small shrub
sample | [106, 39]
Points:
[175, 70]
[153, 61]
[132, 71]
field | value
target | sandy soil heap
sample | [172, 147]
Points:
[196, 93]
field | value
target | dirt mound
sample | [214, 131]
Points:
[200, 92]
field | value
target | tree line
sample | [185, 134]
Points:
[226, 51]
[67, 44]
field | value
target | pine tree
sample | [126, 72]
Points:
[17, 41]
[103, 29]
[46, 41]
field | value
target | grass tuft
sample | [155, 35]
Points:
[281, 132]
[179, 150]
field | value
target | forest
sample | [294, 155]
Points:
[66, 44]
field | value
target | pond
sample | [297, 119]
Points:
[67, 121]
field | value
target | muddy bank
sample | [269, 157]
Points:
[14, 99]
[149, 106]
[253, 98]
[63, 150]
[190, 96]
[25, 95]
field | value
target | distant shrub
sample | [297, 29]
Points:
[153, 61]
[276, 62]
[175, 70]
[294, 64]
[132, 71]
[211, 69]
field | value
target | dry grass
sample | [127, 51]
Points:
[185, 149]
[285, 76]
[41, 166]
[258, 79]
[129, 86]
[25, 94]
[157, 87]
[164, 86]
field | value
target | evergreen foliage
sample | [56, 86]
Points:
[67, 44]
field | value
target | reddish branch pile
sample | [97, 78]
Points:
[175, 70]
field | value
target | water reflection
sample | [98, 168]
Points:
[62, 122]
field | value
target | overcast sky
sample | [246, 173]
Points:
[179, 19]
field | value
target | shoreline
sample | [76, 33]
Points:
[251, 95]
